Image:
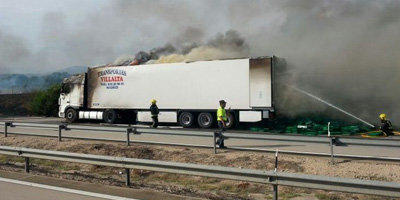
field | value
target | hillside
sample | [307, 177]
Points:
[23, 83]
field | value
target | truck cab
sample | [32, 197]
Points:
[71, 97]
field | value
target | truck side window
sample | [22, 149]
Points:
[65, 88]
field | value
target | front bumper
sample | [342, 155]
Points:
[61, 114]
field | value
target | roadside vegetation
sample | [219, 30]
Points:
[15, 104]
[39, 103]
[45, 103]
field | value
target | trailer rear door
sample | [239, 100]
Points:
[260, 83]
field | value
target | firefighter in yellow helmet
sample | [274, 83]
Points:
[386, 125]
[154, 113]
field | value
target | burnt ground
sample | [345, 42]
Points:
[209, 188]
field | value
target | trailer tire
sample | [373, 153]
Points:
[109, 116]
[231, 120]
[71, 115]
[186, 119]
[205, 120]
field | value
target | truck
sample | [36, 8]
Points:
[187, 93]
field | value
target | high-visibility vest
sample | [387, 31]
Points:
[221, 113]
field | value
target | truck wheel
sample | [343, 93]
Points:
[71, 115]
[205, 120]
[109, 116]
[186, 119]
[231, 120]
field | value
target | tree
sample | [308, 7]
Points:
[45, 102]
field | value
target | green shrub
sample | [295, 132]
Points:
[45, 102]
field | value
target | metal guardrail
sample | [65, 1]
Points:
[341, 140]
[332, 141]
[269, 137]
[274, 178]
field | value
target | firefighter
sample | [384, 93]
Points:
[154, 113]
[222, 119]
[386, 125]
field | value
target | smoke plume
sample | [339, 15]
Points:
[228, 45]
[222, 46]
[12, 49]
[345, 52]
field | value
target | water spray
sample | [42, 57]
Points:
[331, 105]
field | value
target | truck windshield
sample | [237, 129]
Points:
[65, 88]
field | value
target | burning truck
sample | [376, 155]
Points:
[187, 93]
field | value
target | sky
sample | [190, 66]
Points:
[344, 50]
[23, 26]
[25, 17]
[48, 36]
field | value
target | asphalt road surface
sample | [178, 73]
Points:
[245, 143]
[22, 186]
[14, 191]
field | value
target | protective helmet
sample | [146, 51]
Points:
[382, 116]
[153, 101]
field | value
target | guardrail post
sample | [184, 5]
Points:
[27, 167]
[5, 129]
[275, 186]
[215, 142]
[273, 180]
[275, 192]
[128, 177]
[332, 139]
[276, 161]
[60, 127]
[128, 131]
[6, 125]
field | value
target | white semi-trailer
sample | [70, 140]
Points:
[186, 93]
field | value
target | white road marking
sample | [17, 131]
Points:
[60, 189]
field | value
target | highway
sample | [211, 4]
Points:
[22, 186]
[207, 141]
[9, 190]
[14, 190]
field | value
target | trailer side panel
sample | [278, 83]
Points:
[196, 85]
